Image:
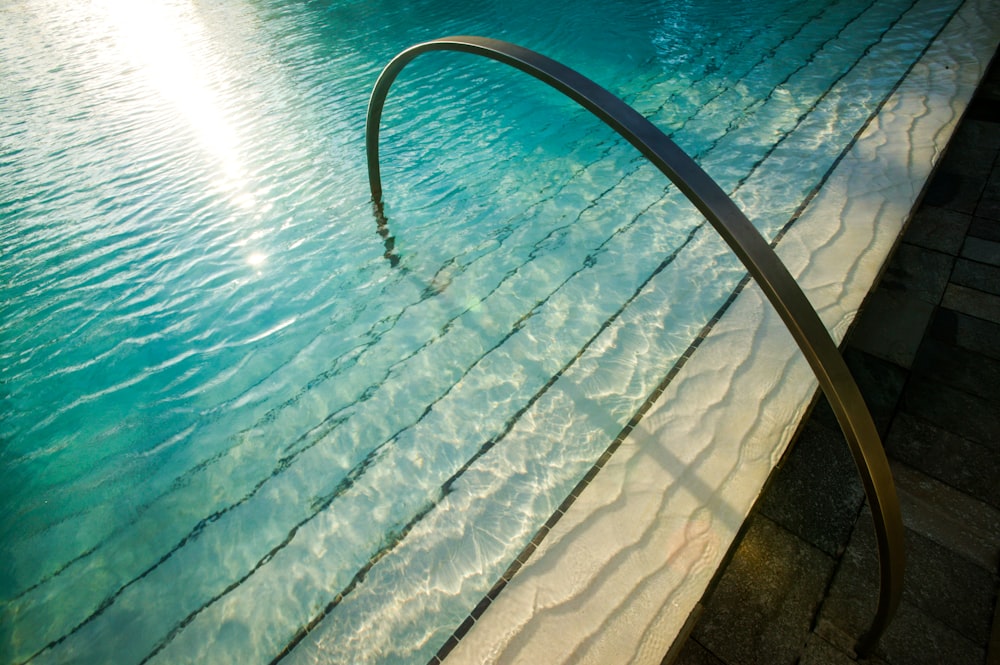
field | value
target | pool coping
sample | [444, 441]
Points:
[624, 563]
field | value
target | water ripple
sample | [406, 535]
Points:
[203, 345]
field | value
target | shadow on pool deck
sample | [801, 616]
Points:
[801, 584]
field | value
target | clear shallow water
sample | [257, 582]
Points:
[226, 417]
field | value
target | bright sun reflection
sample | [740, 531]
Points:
[256, 259]
[168, 47]
[160, 38]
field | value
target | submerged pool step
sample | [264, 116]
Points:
[767, 270]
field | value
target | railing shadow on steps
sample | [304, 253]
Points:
[749, 245]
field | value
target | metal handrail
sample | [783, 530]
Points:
[749, 245]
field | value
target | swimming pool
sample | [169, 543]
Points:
[228, 418]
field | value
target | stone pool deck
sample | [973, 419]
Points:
[801, 584]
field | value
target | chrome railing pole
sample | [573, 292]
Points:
[749, 245]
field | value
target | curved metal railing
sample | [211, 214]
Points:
[743, 238]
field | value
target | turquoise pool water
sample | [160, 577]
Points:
[232, 431]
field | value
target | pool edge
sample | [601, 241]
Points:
[634, 598]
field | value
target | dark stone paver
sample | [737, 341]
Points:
[916, 639]
[950, 588]
[966, 196]
[920, 272]
[939, 229]
[975, 275]
[973, 302]
[989, 208]
[961, 463]
[818, 508]
[695, 654]
[762, 609]
[982, 250]
[967, 526]
[896, 334]
[820, 652]
[945, 595]
[954, 410]
[959, 368]
[966, 332]
[988, 229]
